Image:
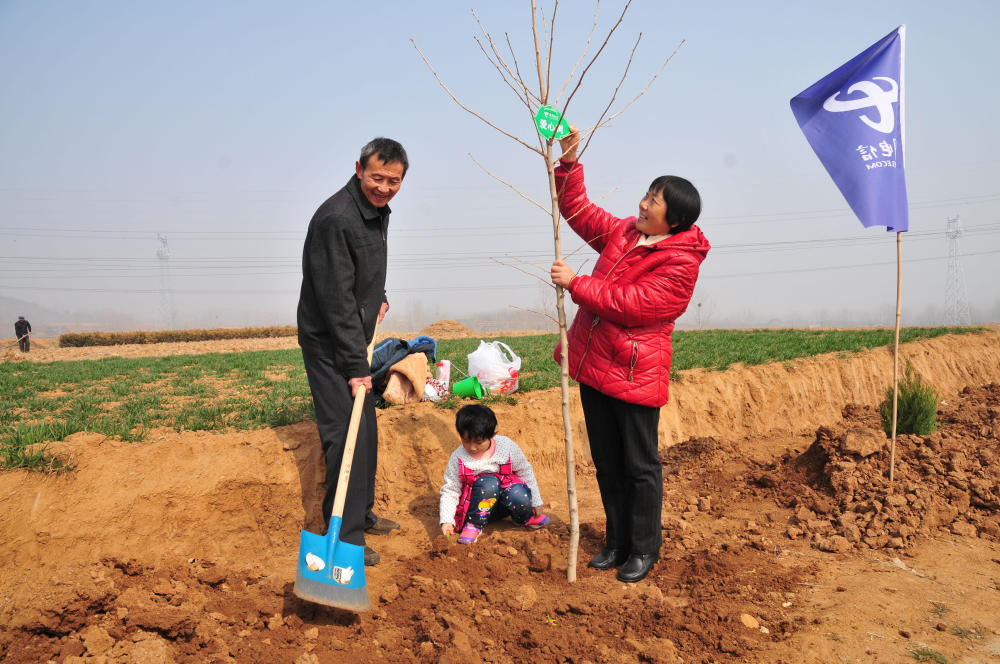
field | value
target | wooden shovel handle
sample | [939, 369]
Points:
[352, 438]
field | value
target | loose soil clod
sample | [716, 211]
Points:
[842, 498]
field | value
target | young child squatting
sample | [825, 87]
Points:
[487, 478]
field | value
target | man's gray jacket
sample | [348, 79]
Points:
[343, 279]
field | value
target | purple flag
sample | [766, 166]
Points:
[853, 119]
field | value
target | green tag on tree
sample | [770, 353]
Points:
[545, 121]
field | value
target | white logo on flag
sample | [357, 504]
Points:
[875, 97]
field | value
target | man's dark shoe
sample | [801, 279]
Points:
[371, 556]
[637, 567]
[382, 526]
[608, 558]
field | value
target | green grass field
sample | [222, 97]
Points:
[129, 397]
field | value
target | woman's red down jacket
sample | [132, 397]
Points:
[619, 342]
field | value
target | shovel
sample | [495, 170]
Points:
[330, 571]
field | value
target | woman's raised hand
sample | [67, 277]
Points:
[569, 143]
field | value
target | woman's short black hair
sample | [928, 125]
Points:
[476, 422]
[682, 199]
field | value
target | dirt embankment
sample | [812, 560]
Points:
[811, 392]
[182, 547]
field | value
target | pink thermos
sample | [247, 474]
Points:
[444, 371]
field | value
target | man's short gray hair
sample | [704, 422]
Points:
[388, 150]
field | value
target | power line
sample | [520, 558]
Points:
[841, 267]
[704, 276]
[396, 258]
[786, 216]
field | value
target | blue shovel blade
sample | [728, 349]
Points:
[341, 581]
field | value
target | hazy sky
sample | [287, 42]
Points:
[221, 126]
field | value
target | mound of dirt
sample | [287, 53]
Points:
[448, 329]
[842, 496]
[10, 352]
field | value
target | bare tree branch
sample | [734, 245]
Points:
[538, 53]
[489, 38]
[533, 276]
[529, 93]
[535, 311]
[594, 202]
[583, 74]
[614, 94]
[466, 108]
[586, 48]
[516, 190]
[518, 93]
[541, 268]
[496, 52]
[517, 69]
[643, 91]
[562, 113]
[527, 96]
[578, 249]
[548, 56]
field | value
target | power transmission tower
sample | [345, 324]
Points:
[167, 315]
[956, 307]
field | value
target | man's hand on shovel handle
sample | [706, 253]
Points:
[356, 383]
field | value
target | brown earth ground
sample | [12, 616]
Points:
[783, 539]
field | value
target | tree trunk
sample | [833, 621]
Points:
[574, 512]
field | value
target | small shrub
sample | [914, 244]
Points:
[450, 403]
[916, 408]
[973, 634]
[928, 655]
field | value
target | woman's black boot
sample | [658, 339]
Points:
[637, 567]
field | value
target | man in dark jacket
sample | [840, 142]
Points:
[22, 330]
[342, 297]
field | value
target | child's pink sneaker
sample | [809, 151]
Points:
[537, 521]
[469, 534]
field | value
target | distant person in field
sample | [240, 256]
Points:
[487, 478]
[620, 347]
[342, 297]
[22, 330]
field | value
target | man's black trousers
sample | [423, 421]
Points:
[624, 445]
[333, 401]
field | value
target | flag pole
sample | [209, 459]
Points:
[895, 356]
[899, 261]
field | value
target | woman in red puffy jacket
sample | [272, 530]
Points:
[620, 349]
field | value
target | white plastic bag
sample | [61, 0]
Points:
[496, 366]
